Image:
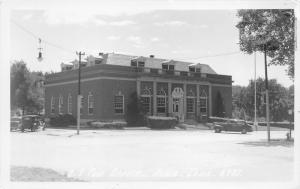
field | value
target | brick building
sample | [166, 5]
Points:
[166, 88]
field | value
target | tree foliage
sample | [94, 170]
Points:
[273, 27]
[280, 99]
[219, 110]
[26, 90]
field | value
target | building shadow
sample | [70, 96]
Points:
[272, 143]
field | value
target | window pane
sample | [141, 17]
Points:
[171, 67]
[161, 105]
[190, 105]
[133, 63]
[141, 64]
[192, 69]
[118, 104]
[165, 66]
[146, 104]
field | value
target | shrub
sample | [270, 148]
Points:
[155, 122]
[108, 125]
[62, 120]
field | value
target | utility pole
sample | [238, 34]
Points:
[267, 92]
[255, 119]
[79, 92]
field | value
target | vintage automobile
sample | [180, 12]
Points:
[32, 122]
[15, 123]
[232, 125]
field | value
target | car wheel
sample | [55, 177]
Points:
[244, 131]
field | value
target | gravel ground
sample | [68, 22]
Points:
[167, 155]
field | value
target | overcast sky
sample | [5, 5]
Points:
[204, 36]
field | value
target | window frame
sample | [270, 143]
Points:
[60, 104]
[52, 105]
[146, 94]
[191, 96]
[90, 95]
[160, 97]
[202, 97]
[70, 104]
[123, 111]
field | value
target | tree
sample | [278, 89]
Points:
[18, 85]
[26, 91]
[273, 27]
[278, 96]
[134, 112]
[219, 110]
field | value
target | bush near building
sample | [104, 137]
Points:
[156, 122]
[62, 120]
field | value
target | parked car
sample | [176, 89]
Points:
[32, 122]
[15, 123]
[232, 125]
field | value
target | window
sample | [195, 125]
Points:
[52, 105]
[146, 100]
[161, 101]
[190, 102]
[133, 63]
[119, 104]
[60, 104]
[81, 105]
[165, 66]
[141, 64]
[90, 104]
[203, 101]
[171, 67]
[70, 104]
[194, 69]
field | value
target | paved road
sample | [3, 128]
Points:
[156, 155]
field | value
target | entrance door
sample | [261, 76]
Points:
[177, 100]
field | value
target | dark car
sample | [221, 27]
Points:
[232, 125]
[32, 122]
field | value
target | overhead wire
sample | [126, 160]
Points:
[38, 37]
[74, 52]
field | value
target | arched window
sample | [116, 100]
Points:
[161, 101]
[90, 103]
[203, 101]
[190, 101]
[70, 104]
[60, 104]
[52, 105]
[146, 100]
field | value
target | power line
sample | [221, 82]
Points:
[210, 56]
[38, 37]
[74, 52]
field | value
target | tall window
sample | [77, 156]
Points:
[90, 103]
[81, 105]
[60, 104]
[52, 105]
[203, 101]
[146, 100]
[119, 104]
[70, 104]
[161, 101]
[190, 102]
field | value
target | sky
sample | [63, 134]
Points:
[193, 35]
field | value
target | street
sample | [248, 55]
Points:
[196, 155]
